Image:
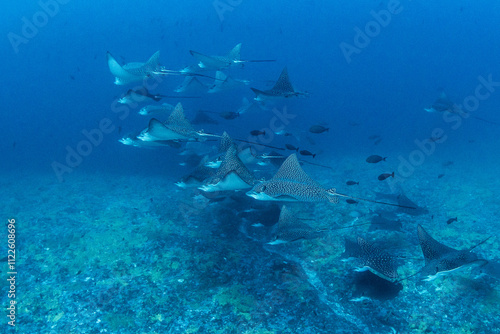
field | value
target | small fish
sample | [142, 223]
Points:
[447, 163]
[229, 115]
[72, 77]
[384, 176]
[351, 201]
[451, 220]
[119, 129]
[306, 152]
[376, 142]
[351, 183]
[372, 137]
[440, 176]
[373, 159]
[291, 147]
[435, 139]
[283, 133]
[257, 133]
[318, 129]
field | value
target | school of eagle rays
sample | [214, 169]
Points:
[233, 167]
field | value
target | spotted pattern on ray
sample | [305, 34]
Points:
[292, 171]
[381, 263]
[291, 183]
[139, 69]
[283, 85]
[177, 121]
[231, 163]
[290, 228]
[225, 142]
[286, 190]
[432, 249]
[235, 53]
[440, 258]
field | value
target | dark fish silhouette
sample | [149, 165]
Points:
[384, 176]
[318, 129]
[440, 176]
[373, 159]
[441, 260]
[376, 142]
[372, 137]
[351, 201]
[291, 147]
[228, 115]
[257, 133]
[351, 183]
[307, 153]
[451, 220]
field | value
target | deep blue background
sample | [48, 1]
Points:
[426, 47]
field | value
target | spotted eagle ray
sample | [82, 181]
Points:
[134, 96]
[177, 127]
[282, 89]
[291, 183]
[197, 176]
[191, 84]
[224, 82]
[377, 261]
[440, 260]
[132, 72]
[201, 117]
[151, 109]
[444, 104]
[139, 95]
[133, 141]
[290, 228]
[245, 154]
[220, 62]
[231, 175]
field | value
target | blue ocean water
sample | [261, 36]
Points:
[371, 68]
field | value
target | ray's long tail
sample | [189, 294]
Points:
[334, 192]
